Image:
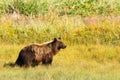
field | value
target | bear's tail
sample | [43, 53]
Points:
[10, 64]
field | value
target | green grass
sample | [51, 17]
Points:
[62, 7]
[79, 62]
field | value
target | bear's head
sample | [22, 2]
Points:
[58, 44]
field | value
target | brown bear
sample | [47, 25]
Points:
[33, 54]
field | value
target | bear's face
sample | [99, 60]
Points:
[59, 44]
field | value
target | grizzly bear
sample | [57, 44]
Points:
[33, 54]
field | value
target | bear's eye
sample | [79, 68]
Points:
[61, 44]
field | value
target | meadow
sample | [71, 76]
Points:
[79, 62]
[90, 31]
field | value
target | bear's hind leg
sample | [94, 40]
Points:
[20, 61]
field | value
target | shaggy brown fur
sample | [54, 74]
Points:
[33, 54]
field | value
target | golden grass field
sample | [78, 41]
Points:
[78, 62]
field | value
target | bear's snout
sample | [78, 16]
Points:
[64, 46]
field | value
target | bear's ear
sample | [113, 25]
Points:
[59, 38]
[55, 39]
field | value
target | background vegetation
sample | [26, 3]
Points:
[102, 33]
[62, 7]
[90, 28]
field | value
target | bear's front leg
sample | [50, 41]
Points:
[47, 59]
